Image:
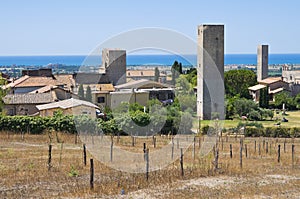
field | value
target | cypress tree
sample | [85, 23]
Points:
[88, 94]
[81, 92]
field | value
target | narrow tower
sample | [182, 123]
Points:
[262, 62]
[210, 72]
[114, 65]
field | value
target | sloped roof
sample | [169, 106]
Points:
[67, 79]
[276, 90]
[257, 87]
[32, 81]
[270, 80]
[39, 81]
[16, 82]
[64, 104]
[143, 83]
[142, 73]
[44, 89]
[100, 87]
[29, 98]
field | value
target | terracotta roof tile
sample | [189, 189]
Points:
[29, 98]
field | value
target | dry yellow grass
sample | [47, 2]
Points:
[24, 172]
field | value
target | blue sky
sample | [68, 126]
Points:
[70, 27]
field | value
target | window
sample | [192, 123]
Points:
[101, 99]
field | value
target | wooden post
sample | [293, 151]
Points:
[194, 147]
[258, 148]
[60, 154]
[230, 150]
[278, 155]
[246, 151]
[91, 174]
[293, 155]
[132, 141]
[144, 150]
[111, 149]
[241, 153]
[49, 157]
[181, 162]
[118, 138]
[76, 133]
[263, 144]
[254, 146]
[177, 142]
[154, 141]
[216, 159]
[172, 152]
[267, 145]
[84, 155]
[147, 164]
[222, 144]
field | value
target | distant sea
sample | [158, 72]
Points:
[132, 60]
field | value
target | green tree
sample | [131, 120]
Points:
[238, 81]
[285, 98]
[264, 98]
[156, 74]
[191, 76]
[88, 94]
[244, 106]
[176, 70]
[81, 92]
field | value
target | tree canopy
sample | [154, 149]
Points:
[238, 81]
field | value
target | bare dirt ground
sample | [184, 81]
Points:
[24, 172]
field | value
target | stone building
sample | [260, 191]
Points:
[210, 71]
[262, 62]
[114, 65]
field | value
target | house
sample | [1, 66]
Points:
[100, 93]
[67, 80]
[130, 96]
[274, 84]
[25, 104]
[154, 89]
[144, 74]
[68, 107]
[27, 84]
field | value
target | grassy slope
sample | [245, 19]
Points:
[293, 117]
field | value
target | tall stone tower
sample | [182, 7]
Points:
[210, 71]
[114, 65]
[262, 62]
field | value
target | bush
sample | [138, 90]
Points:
[254, 115]
[273, 132]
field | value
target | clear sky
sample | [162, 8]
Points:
[75, 27]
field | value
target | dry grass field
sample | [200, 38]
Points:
[24, 170]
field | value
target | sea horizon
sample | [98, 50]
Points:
[143, 59]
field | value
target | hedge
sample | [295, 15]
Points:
[273, 132]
